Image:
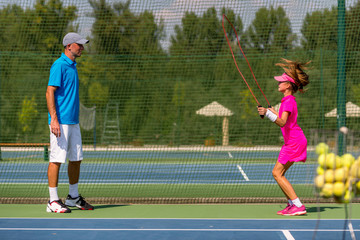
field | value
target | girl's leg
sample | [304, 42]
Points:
[279, 176]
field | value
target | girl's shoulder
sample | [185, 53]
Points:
[288, 103]
[288, 99]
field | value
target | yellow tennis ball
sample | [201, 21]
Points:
[329, 176]
[321, 160]
[347, 160]
[320, 170]
[355, 170]
[330, 160]
[338, 163]
[358, 187]
[327, 190]
[348, 196]
[341, 174]
[349, 181]
[319, 181]
[339, 189]
[356, 162]
[322, 148]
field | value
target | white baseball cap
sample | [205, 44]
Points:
[74, 38]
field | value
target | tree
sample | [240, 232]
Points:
[29, 39]
[352, 46]
[319, 30]
[40, 29]
[269, 32]
[201, 61]
[28, 114]
[117, 30]
[201, 39]
[129, 52]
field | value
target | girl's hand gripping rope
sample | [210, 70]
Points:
[270, 113]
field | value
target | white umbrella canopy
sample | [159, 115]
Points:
[352, 110]
[214, 109]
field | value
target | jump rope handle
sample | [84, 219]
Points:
[262, 116]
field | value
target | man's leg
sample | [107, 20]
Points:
[74, 199]
[74, 174]
[75, 154]
[55, 204]
[53, 178]
[58, 151]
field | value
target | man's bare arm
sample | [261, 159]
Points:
[50, 99]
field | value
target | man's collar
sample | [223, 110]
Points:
[67, 59]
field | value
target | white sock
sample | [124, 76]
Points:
[290, 202]
[297, 202]
[53, 194]
[73, 190]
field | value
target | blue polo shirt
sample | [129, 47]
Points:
[64, 75]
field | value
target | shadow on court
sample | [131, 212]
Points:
[320, 209]
[103, 207]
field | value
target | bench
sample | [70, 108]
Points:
[45, 145]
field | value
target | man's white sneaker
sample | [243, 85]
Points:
[57, 206]
[78, 202]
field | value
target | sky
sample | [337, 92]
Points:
[171, 11]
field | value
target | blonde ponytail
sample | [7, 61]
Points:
[295, 70]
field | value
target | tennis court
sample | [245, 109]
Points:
[146, 172]
[173, 229]
[174, 147]
[179, 222]
[154, 173]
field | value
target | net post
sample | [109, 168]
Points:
[95, 128]
[0, 108]
[46, 153]
[341, 78]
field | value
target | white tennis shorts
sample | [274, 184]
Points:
[67, 146]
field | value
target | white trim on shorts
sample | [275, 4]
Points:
[67, 146]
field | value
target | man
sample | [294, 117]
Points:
[62, 96]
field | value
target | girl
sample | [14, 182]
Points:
[294, 149]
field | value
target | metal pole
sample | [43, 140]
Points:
[95, 129]
[322, 113]
[341, 77]
[0, 109]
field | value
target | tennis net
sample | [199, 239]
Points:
[165, 116]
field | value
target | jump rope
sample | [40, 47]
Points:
[348, 219]
[233, 55]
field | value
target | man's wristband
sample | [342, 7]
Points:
[270, 115]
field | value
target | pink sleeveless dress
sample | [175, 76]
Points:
[294, 149]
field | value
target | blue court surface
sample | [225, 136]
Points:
[187, 168]
[148, 229]
[159, 173]
[156, 154]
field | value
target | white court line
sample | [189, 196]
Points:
[288, 235]
[174, 229]
[243, 173]
[351, 230]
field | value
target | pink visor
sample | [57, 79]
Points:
[284, 78]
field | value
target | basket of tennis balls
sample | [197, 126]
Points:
[337, 177]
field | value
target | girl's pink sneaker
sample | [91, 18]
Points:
[284, 210]
[295, 211]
